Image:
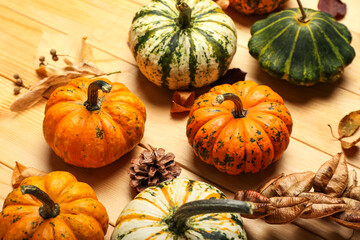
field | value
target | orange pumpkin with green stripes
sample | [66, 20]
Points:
[55, 206]
[181, 44]
[181, 209]
[256, 6]
[239, 128]
[91, 128]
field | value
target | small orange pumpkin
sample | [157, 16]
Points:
[239, 128]
[256, 6]
[55, 206]
[91, 130]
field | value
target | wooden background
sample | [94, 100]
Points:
[106, 23]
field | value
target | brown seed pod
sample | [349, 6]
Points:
[287, 209]
[332, 176]
[268, 188]
[295, 183]
[351, 216]
[262, 205]
[322, 205]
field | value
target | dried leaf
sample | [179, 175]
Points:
[295, 183]
[332, 176]
[231, 76]
[351, 183]
[41, 72]
[84, 67]
[268, 188]
[287, 209]
[348, 125]
[348, 145]
[35, 93]
[334, 7]
[355, 193]
[351, 216]
[21, 172]
[262, 204]
[322, 205]
[182, 101]
[224, 4]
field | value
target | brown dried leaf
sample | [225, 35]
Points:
[349, 124]
[351, 216]
[224, 4]
[268, 188]
[21, 172]
[334, 7]
[351, 183]
[262, 204]
[322, 205]
[295, 183]
[332, 176]
[182, 101]
[355, 193]
[287, 209]
[348, 145]
[84, 67]
[35, 93]
[41, 72]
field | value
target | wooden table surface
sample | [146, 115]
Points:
[23, 25]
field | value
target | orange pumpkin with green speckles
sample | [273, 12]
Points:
[55, 206]
[239, 128]
[91, 129]
[256, 6]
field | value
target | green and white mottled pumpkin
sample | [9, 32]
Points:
[181, 209]
[182, 44]
[302, 46]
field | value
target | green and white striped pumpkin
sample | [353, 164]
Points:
[181, 209]
[302, 46]
[182, 44]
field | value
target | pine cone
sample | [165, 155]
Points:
[151, 168]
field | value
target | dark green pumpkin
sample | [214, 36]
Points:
[302, 51]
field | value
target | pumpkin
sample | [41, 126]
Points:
[239, 128]
[256, 6]
[181, 209]
[182, 44]
[91, 129]
[302, 46]
[55, 206]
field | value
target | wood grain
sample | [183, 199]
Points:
[106, 23]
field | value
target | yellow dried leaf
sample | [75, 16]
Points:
[21, 172]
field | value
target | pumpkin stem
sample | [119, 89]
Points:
[304, 17]
[177, 223]
[184, 19]
[92, 103]
[49, 209]
[239, 110]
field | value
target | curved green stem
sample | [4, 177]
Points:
[49, 209]
[239, 110]
[184, 19]
[304, 18]
[93, 103]
[177, 223]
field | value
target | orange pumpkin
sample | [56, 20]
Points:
[55, 206]
[256, 6]
[91, 129]
[239, 128]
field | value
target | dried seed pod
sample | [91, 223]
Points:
[332, 176]
[262, 205]
[295, 183]
[355, 193]
[351, 216]
[351, 183]
[287, 209]
[322, 205]
[268, 188]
